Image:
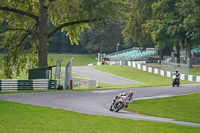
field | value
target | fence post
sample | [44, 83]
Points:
[68, 74]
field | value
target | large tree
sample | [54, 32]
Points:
[190, 11]
[27, 20]
[164, 26]
[140, 11]
[168, 25]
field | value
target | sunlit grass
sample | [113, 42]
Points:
[79, 59]
[148, 79]
[182, 108]
[21, 118]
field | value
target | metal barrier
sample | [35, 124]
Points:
[169, 66]
[84, 83]
[31, 84]
[68, 75]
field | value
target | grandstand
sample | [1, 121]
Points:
[195, 52]
[134, 53]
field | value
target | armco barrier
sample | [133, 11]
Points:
[163, 72]
[31, 84]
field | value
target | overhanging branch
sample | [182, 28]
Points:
[34, 28]
[18, 45]
[70, 24]
[20, 12]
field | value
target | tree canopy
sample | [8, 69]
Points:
[166, 23]
[27, 21]
[102, 39]
[140, 11]
[26, 27]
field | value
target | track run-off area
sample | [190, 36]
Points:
[97, 102]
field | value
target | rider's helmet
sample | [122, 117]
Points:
[130, 93]
[176, 70]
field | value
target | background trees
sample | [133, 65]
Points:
[166, 23]
[102, 39]
[29, 27]
[140, 12]
[27, 19]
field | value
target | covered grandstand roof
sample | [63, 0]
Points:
[132, 54]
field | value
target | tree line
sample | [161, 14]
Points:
[164, 24]
[30, 27]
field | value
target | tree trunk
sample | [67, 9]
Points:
[178, 53]
[188, 47]
[43, 52]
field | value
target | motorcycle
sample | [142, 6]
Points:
[175, 81]
[119, 104]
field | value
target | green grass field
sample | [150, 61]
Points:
[79, 60]
[21, 118]
[193, 71]
[148, 79]
[182, 108]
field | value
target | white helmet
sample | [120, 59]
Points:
[176, 70]
[130, 93]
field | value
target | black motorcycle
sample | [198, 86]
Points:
[175, 81]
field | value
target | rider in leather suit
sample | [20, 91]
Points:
[129, 95]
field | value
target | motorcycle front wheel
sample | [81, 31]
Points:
[173, 83]
[119, 106]
[111, 108]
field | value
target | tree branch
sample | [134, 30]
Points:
[23, 38]
[20, 12]
[31, 32]
[18, 45]
[70, 24]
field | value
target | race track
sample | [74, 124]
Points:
[102, 76]
[98, 102]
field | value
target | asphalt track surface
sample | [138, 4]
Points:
[102, 76]
[98, 102]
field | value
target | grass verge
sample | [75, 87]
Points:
[16, 117]
[181, 108]
[148, 79]
[79, 60]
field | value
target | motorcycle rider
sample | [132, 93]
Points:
[128, 95]
[177, 74]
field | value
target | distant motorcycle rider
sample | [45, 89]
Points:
[128, 95]
[177, 74]
[176, 78]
